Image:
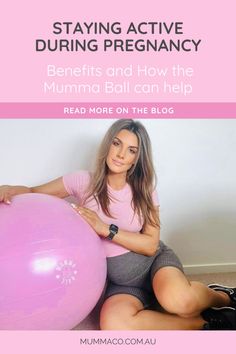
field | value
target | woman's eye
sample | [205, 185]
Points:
[132, 151]
[115, 143]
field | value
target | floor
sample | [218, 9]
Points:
[92, 321]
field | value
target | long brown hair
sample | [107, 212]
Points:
[141, 177]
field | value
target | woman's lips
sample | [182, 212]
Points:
[117, 163]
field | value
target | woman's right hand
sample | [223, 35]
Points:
[7, 192]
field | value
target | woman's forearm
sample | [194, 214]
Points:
[137, 242]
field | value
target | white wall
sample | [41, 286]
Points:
[195, 163]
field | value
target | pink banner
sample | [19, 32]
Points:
[74, 342]
[85, 110]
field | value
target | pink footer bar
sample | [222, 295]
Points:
[104, 110]
[116, 342]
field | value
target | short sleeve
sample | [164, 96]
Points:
[76, 183]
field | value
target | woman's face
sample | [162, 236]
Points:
[123, 152]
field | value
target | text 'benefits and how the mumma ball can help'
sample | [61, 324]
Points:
[138, 79]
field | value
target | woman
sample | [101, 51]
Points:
[120, 203]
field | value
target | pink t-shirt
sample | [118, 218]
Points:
[120, 207]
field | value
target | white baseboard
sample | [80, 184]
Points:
[210, 268]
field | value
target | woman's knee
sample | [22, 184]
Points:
[187, 304]
[174, 292]
[182, 303]
[118, 312]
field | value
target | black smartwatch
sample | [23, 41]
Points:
[113, 231]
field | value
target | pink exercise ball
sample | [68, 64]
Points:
[53, 266]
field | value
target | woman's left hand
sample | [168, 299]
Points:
[93, 220]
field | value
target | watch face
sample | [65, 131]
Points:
[113, 228]
[113, 231]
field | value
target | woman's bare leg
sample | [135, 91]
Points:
[177, 295]
[126, 312]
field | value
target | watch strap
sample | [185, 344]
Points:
[113, 229]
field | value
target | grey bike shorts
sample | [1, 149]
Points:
[132, 273]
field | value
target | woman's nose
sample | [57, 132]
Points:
[121, 153]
